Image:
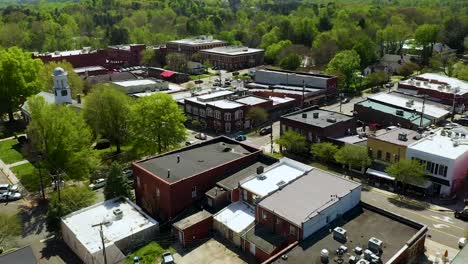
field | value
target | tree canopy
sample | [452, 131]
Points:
[324, 151]
[157, 123]
[75, 82]
[107, 111]
[62, 137]
[117, 183]
[19, 78]
[407, 171]
[257, 116]
[353, 156]
[344, 65]
[293, 142]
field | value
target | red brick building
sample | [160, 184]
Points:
[167, 184]
[125, 55]
[85, 57]
[193, 45]
[233, 57]
[194, 228]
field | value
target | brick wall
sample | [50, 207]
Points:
[78, 61]
[196, 232]
[369, 116]
[277, 224]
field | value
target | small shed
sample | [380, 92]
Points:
[217, 198]
[193, 228]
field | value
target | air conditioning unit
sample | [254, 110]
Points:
[375, 245]
[368, 254]
[331, 120]
[339, 234]
[261, 177]
[400, 112]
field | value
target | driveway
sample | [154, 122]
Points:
[210, 252]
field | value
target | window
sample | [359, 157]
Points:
[264, 215]
[278, 221]
[202, 112]
[195, 111]
[61, 82]
[194, 191]
[227, 116]
[310, 136]
[379, 154]
[138, 181]
[328, 219]
[387, 156]
[64, 92]
[397, 157]
[209, 112]
[217, 114]
[228, 127]
[55, 92]
[188, 109]
[157, 193]
[238, 114]
[369, 150]
[292, 230]
[244, 195]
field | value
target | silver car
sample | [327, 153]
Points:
[10, 196]
[8, 188]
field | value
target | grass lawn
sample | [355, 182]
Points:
[276, 155]
[8, 153]
[201, 76]
[28, 175]
[151, 253]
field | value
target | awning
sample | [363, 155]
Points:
[380, 174]
[167, 74]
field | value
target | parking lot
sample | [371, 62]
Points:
[210, 252]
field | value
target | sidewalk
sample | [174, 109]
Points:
[8, 173]
[436, 251]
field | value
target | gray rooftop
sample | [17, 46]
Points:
[192, 219]
[234, 177]
[302, 199]
[323, 119]
[24, 256]
[196, 158]
[361, 224]
[264, 239]
[392, 136]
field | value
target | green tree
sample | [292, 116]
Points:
[157, 123]
[344, 65]
[444, 62]
[291, 62]
[71, 199]
[461, 71]
[74, 80]
[10, 227]
[62, 137]
[257, 116]
[426, 35]
[176, 62]
[366, 49]
[407, 172]
[293, 142]
[107, 111]
[324, 151]
[377, 78]
[117, 183]
[408, 68]
[353, 156]
[272, 51]
[324, 47]
[19, 78]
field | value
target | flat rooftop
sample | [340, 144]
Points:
[264, 239]
[225, 104]
[361, 224]
[274, 177]
[392, 136]
[133, 221]
[304, 198]
[410, 115]
[196, 158]
[192, 219]
[231, 181]
[251, 100]
[323, 120]
[232, 50]
[442, 145]
[298, 73]
[89, 68]
[402, 102]
[280, 100]
[236, 216]
[135, 83]
[445, 84]
[85, 50]
[201, 40]
[217, 94]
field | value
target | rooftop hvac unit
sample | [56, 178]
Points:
[331, 120]
[261, 177]
[402, 137]
[315, 115]
[400, 112]
[304, 115]
[358, 250]
[353, 260]
[324, 255]
[118, 214]
[339, 234]
[375, 245]
[368, 254]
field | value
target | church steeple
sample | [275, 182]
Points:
[62, 90]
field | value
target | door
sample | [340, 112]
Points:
[252, 248]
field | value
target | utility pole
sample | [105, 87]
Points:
[102, 239]
[271, 138]
[453, 103]
[303, 94]
[422, 111]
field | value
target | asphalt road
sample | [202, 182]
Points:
[443, 227]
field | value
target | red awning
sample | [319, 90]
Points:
[167, 74]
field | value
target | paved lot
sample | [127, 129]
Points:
[210, 252]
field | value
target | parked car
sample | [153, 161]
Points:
[10, 196]
[136, 260]
[102, 144]
[463, 214]
[265, 130]
[167, 258]
[8, 188]
[201, 136]
[462, 242]
[216, 84]
[462, 121]
[241, 138]
[189, 143]
[55, 184]
[345, 100]
[389, 85]
[99, 183]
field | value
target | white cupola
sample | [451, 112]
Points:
[62, 90]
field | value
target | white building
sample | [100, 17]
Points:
[445, 156]
[234, 220]
[141, 85]
[126, 226]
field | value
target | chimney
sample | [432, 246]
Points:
[304, 115]
[178, 159]
[316, 115]
[260, 169]
[78, 98]
[168, 173]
